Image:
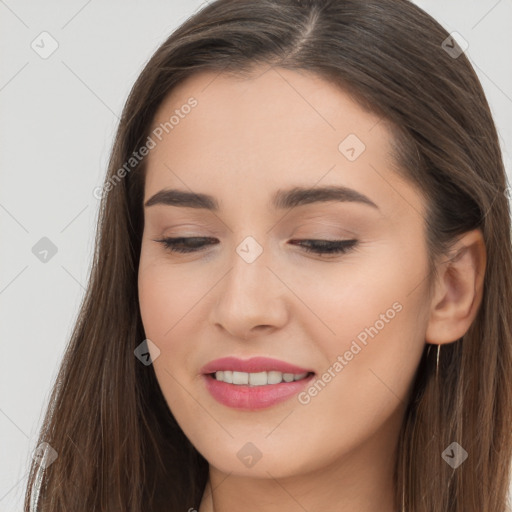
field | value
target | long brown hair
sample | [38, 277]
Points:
[119, 447]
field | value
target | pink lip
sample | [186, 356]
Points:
[253, 397]
[252, 365]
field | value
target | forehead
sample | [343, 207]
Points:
[272, 98]
[271, 129]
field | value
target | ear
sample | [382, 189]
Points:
[458, 290]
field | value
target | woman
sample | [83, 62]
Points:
[302, 278]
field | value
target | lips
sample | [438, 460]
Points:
[249, 397]
[252, 365]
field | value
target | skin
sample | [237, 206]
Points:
[245, 139]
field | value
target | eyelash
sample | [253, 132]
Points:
[328, 247]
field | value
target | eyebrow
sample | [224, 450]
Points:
[282, 199]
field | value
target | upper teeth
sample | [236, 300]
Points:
[257, 379]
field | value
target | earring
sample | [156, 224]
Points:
[437, 364]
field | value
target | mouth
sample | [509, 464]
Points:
[255, 383]
[254, 365]
[255, 391]
[266, 378]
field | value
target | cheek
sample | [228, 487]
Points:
[356, 295]
[374, 317]
[166, 295]
[164, 304]
[370, 366]
[172, 305]
[157, 301]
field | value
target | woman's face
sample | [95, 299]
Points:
[250, 288]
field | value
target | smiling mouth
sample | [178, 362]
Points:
[257, 378]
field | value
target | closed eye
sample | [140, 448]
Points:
[327, 246]
[185, 244]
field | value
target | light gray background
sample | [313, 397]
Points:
[58, 120]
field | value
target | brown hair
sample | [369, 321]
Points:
[119, 447]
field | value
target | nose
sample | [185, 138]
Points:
[251, 300]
